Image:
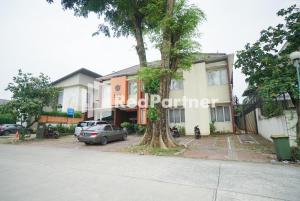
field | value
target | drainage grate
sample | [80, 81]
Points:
[247, 139]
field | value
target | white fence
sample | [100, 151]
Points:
[285, 124]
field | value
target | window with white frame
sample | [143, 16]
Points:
[60, 98]
[220, 114]
[176, 115]
[132, 87]
[106, 95]
[217, 77]
[107, 116]
[176, 84]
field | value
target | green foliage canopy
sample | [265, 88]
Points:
[30, 95]
[7, 114]
[182, 26]
[266, 67]
[119, 15]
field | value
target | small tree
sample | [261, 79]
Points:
[30, 95]
[267, 68]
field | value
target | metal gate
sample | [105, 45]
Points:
[245, 118]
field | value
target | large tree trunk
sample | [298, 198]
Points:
[140, 49]
[157, 134]
[140, 46]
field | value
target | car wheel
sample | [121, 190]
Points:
[104, 141]
[124, 137]
[86, 143]
[6, 133]
[56, 135]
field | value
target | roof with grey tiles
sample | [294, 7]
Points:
[81, 70]
[133, 70]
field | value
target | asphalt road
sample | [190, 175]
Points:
[33, 173]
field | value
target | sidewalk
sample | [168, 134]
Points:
[250, 147]
[12, 139]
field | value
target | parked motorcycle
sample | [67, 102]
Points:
[197, 132]
[174, 131]
[51, 133]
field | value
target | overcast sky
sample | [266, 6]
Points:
[38, 37]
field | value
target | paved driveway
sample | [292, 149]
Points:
[34, 173]
[251, 148]
[72, 143]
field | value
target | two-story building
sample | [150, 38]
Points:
[77, 91]
[204, 94]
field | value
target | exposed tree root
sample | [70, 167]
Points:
[158, 136]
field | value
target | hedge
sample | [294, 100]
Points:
[7, 119]
[61, 114]
[65, 129]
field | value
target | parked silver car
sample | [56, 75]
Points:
[102, 134]
[83, 125]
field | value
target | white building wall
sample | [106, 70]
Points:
[83, 98]
[75, 92]
[106, 98]
[103, 100]
[225, 127]
[177, 94]
[86, 80]
[221, 94]
[195, 85]
[282, 125]
[96, 99]
[75, 97]
[71, 98]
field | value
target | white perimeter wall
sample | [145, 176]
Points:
[282, 125]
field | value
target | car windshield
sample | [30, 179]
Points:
[97, 127]
[82, 124]
[91, 123]
[101, 122]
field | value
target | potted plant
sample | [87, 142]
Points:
[128, 127]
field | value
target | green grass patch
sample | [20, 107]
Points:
[153, 151]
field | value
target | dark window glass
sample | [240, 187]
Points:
[171, 116]
[182, 115]
[107, 128]
[227, 113]
[220, 115]
[177, 115]
[213, 114]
